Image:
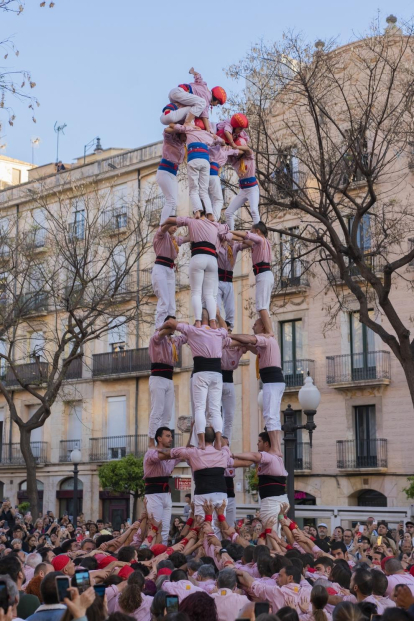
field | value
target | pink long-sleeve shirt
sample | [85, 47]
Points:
[200, 88]
[140, 614]
[223, 259]
[203, 229]
[163, 244]
[268, 352]
[261, 249]
[207, 585]
[160, 348]
[229, 604]
[220, 153]
[292, 595]
[182, 588]
[194, 134]
[155, 467]
[399, 579]
[172, 148]
[231, 357]
[249, 165]
[199, 459]
[205, 341]
[271, 465]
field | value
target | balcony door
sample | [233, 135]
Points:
[299, 456]
[291, 352]
[116, 427]
[365, 436]
[36, 436]
[363, 365]
[291, 265]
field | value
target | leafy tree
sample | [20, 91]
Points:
[409, 491]
[124, 476]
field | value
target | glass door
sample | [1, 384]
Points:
[365, 436]
[291, 352]
[363, 365]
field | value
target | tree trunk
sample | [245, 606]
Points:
[134, 506]
[30, 462]
[408, 366]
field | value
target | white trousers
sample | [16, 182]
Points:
[159, 506]
[217, 499]
[270, 507]
[207, 385]
[216, 195]
[196, 103]
[169, 187]
[231, 512]
[264, 287]
[225, 299]
[272, 398]
[163, 284]
[162, 403]
[248, 194]
[228, 404]
[203, 272]
[198, 174]
[174, 116]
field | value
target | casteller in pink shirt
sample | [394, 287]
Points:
[399, 579]
[173, 149]
[229, 604]
[268, 351]
[202, 229]
[261, 249]
[205, 341]
[182, 588]
[199, 459]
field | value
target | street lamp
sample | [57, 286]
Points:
[309, 399]
[75, 458]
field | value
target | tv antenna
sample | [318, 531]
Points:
[59, 129]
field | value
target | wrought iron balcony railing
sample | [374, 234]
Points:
[66, 447]
[367, 366]
[115, 447]
[74, 370]
[34, 373]
[290, 274]
[11, 454]
[303, 456]
[356, 454]
[32, 302]
[295, 371]
[121, 362]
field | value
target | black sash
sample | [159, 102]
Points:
[271, 375]
[227, 376]
[209, 481]
[271, 486]
[165, 261]
[230, 487]
[206, 364]
[225, 275]
[160, 369]
[203, 247]
[259, 268]
[157, 485]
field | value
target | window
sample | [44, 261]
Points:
[75, 423]
[365, 436]
[362, 341]
[371, 498]
[286, 174]
[291, 266]
[299, 465]
[117, 335]
[119, 213]
[363, 240]
[116, 427]
[16, 176]
[77, 226]
[36, 436]
[3, 365]
[410, 248]
[39, 228]
[65, 495]
[291, 342]
[36, 346]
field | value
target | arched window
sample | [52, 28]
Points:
[371, 498]
[65, 496]
[23, 486]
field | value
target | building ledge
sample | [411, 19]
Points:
[363, 470]
[306, 472]
[350, 384]
[299, 290]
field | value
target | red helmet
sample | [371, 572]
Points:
[199, 123]
[239, 120]
[220, 94]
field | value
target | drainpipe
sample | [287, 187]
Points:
[137, 330]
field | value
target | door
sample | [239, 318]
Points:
[292, 351]
[365, 436]
[291, 265]
[75, 428]
[363, 366]
[39, 227]
[116, 427]
[363, 239]
[116, 511]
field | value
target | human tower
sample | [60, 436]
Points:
[215, 349]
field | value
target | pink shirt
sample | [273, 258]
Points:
[164, 245]
[140, 614]
[231, 357]
[205, 341]
[200, 89]
[172, 148]
[399, 579]
[160, 348]
[308, 616]
[207, 585]
[381, 602]
[155, 467]
[199, 459]
[224, 260]
[271, 465]
[249, 165]
[226, 126]
[229, 604]
[182, 588]
[292, 595]
[261, 250]
[220, 153]
[268, 352]
[194, 134]
[249, 568]
[203, 229]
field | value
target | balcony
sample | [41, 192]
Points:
[33, 373]
[36, 239]
[375, 263]
[113, 287]
[128, 361]
[181, 280]
[32, 303]
[294, 372]
[287, 182]
[66, 447]
[74, 370]
[363, 369]
[11, 454]
[115, 220]
[303, 456]
[362, 454]
[116, 447]
[290, 277]
[77, 230]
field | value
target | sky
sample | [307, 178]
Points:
[105, 67]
